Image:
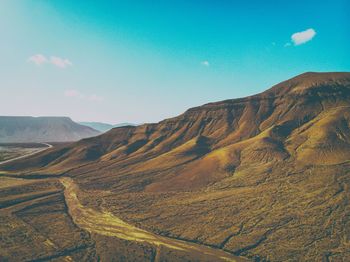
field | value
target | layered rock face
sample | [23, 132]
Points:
[265, 177]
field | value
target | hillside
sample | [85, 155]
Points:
[264, 177]
[23, 129]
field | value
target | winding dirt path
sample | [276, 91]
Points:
[105, 223]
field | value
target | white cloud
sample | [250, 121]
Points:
[72, 93]
[303, 37]
[205, 63]
[40, 59]
[60, 62]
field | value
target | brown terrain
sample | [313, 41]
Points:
[10, 152]
[262, 178]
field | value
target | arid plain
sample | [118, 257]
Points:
[262, 178]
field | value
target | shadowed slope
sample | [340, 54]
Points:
[266, 176]
[266, 121]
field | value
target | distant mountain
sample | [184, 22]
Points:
[265, 178]
[104, 127]
[42, 129]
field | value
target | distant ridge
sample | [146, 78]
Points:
[264, 177]
[104, 127]
[26, 129]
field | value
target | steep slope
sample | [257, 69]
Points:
[274, 120]
[265, 177]
[17, 129]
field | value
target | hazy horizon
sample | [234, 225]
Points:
[207, 130]
[116, 61]
[70, 118]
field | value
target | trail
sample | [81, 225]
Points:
[29, 154]
[105, 223]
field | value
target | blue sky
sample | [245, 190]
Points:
[143, 61]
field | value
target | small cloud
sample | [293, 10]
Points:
[303, 37]
[287, 44]
[60, 62]
[72, 93]
[205, 63]
[38, 59]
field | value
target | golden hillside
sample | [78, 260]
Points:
[264, 177]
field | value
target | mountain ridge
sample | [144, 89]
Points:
[17, 129]
[265, 177]
[237, 106]
[104, 127]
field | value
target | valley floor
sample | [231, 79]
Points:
[266, 178]
[12, 152]
[105, 223]
[41, 220]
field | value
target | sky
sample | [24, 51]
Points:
[143, 61]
